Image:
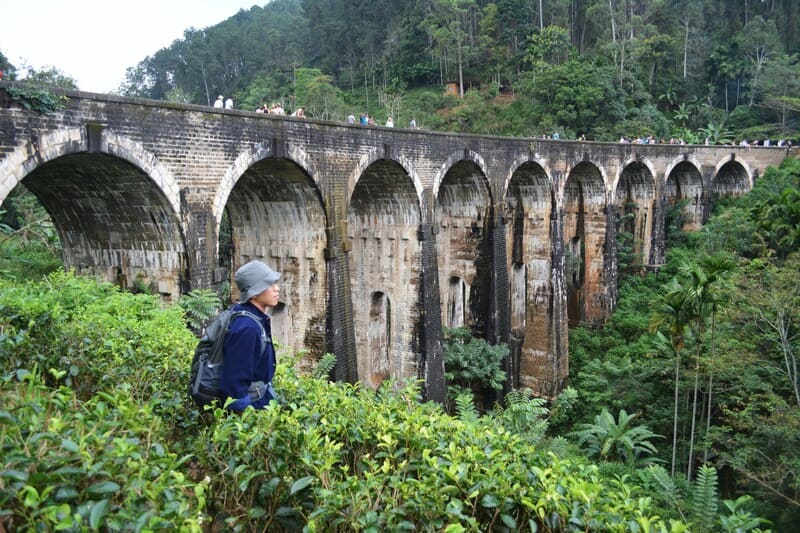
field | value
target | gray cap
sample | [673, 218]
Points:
[254, 278]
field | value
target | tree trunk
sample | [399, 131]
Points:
[675, 414]
[710, 377]
[541, 16]
[460, 74]
[686, 48]
[694, 415]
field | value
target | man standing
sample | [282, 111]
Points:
[248, 351]
[219, 102]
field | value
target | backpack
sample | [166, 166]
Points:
[207, 362]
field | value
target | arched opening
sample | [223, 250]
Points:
[529, 210]
[383, 221]
[585, 246]
[379, 335]
[461, 210]
[575, 266]
[730, 182]
[517, 297]
[683, 194]
[456, 303]
[634, 217]
[274, 213]
[113, 222]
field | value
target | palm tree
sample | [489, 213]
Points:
[689, 303]
[716, 270]
[673, 311]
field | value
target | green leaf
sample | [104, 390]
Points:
[103, 488]
[70, 445]
[16, 475]
[301, 484]
[489, 501]
[509, 521]
[97, 514]
[67, 493]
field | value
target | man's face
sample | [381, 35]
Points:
[268, 297]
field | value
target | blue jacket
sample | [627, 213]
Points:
[244, 362]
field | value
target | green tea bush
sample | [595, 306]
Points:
[79, 466]
[97, 338]
[338, 457]
[98, 433]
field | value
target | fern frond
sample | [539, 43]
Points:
[465, 407]
[325, 365]
[199, 306]
[704, 504]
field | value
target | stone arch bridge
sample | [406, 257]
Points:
[384, 236]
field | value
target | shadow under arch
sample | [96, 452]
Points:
[634, 199]
[683, 187]
[383, 222]
[529, 210]
[373, 156]
[255, 154]
[462, 216]
[116, 208]
[456, 159]
[732, 177]
[585, 225]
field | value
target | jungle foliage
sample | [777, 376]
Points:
[690, 69]
[98, 433]
[705, 351]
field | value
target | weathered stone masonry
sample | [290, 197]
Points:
[384, 236]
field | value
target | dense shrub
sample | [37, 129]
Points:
[79, 465]
[97, 433]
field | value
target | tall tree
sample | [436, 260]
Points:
[779, 87]
[448, 26]
[702, 287]
[759, 43]
[673, 310]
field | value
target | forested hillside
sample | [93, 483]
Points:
[683, 69]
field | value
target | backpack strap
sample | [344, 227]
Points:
[257, 320]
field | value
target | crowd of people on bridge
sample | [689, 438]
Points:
[364, 119]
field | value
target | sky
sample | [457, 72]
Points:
[95, 41]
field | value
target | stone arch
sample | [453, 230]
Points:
[116, 208]
[277, 215]
[26, 158]
[529, 208]
[383, 221]
[462, 208]
[584, 227]
[634, 201]
[683, 183]
[453, 160]
[732, 177]
[528, 162]
[248, 158]
[373, 156]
